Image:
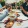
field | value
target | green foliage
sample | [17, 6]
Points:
[2, 0]
[19, 3]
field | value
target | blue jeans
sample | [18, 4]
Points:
[2, 16]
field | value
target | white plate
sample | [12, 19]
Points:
[23, 25]
[16, 10]
[2, 25]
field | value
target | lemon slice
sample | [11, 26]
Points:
[18, 24]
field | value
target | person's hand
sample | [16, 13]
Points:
[27, 13]
[1, 10]
[4, 7]
[16, 7]
[21, 7]
[24, 10]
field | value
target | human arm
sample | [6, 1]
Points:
[23, 9]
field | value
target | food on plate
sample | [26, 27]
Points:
[18, 24]
[11, 12]
[6, 21]
[9, 24]
[17, 14]
[12, 16]
[18, 20]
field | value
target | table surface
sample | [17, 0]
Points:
[21, 16]
[23, 24]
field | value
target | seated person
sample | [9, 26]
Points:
[13, 4]
[9, 8]
[4, 13]
[24, 8]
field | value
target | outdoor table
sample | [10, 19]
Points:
[23, 24]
